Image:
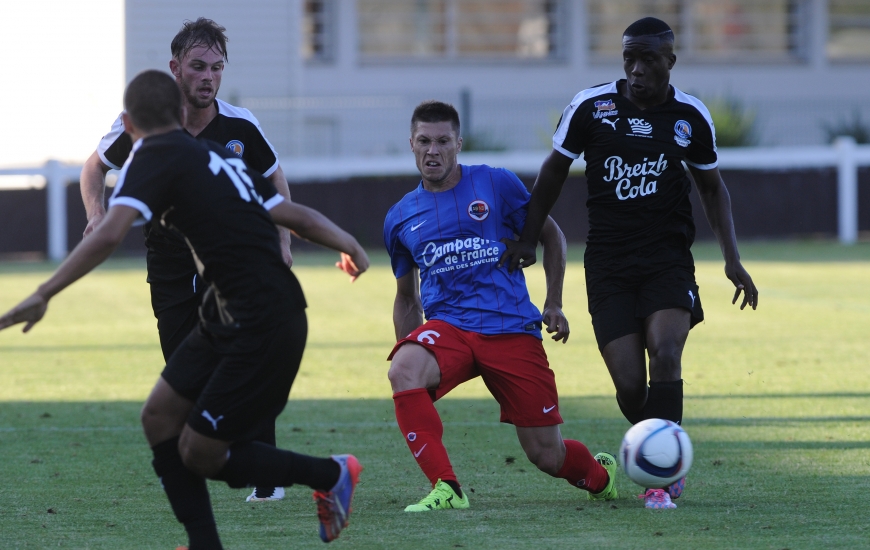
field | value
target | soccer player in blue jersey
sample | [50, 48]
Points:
[635, 135]
[444, 240]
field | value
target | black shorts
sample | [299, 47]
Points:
[176, 322]
[240, 382]
[625, 289]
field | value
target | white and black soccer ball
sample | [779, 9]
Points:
[655, 453]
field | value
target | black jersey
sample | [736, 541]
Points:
[205, 193]
[169, 259]
[638, 188]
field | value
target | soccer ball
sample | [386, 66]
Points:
[655, 453]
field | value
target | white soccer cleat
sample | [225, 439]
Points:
[258, 496]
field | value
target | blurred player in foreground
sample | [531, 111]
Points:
[640, 274]
[233, 374]
[444, 242]
[199, 53]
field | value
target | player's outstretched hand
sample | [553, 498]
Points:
[517, 254]
[30, 311]
[354, 265]
[556, 322]
[743, 283]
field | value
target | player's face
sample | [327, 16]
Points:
[199, 75]
[647, 61]
[435, 146]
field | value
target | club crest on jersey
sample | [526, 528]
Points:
[236, 147]
[605, 107]
[478, 210]
[684, 131]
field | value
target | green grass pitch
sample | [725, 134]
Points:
[777, 406]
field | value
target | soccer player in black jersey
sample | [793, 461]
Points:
[635, 134]
[233, 373]
[199, 52]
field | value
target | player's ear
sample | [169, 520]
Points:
[175, 67]
[459, 144]
[128, 122]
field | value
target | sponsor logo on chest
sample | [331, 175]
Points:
[640, 128]
[604, 108]
[634, 180]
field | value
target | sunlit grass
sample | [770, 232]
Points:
[777, 405]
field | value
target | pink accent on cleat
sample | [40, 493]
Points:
[657, 499]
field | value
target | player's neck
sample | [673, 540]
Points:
[645, 103]
[198, 118]
[446, 184]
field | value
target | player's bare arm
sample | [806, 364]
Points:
[555, 258]
[548, 186]
[279, 180]
[717, 206]
[313, 226]
[93, 188]
[407, 307]
[89, 253]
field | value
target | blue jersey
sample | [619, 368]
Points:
[453, 238]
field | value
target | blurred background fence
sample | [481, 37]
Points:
[377, 125]
[777, 193]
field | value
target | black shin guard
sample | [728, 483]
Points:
[188, 496]
[257, 464]
[665, 400]
[632, 416]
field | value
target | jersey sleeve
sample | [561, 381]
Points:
[143, 183]
[702, 151]
[572, 131]
[115, 147]
[401, 259]
[264, 187]
[514, 200]
[259, 153]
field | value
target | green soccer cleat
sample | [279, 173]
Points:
[442, 497]
[609, 493]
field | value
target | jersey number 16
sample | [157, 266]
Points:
[235, 170]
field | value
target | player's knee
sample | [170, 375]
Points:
[405, 376]
[665, 359]
[199, 460]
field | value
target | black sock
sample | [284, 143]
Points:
[665, 400]
[631, 416]
[455, 486]
[258, 464]
[267, 436]
[188, 496]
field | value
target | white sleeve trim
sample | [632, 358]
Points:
[108, 140]
[135, 204]
[273, 202]
[565, 152]
[702, 166]
[274, 167]
[130, 201]
[683, 97]
[562, 131]
[226, 109]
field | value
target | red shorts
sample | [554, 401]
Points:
[514, 368]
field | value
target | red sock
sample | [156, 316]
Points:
[422, 428]
[581, 469]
